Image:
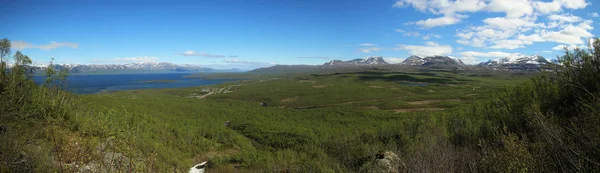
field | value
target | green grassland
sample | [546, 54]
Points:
[326, 122]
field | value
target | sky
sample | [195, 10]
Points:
[249, 34]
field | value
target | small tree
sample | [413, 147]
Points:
[4, 52]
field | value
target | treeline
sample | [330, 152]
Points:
[29, 114]
[548, 124]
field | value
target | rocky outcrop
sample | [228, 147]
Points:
[199, 168]
[386, 162]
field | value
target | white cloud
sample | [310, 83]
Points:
[564, 18]
[369, 49]
[548, 7]
[512, 8]
[573, 4]
[446, 7]
[503, 23]
[510, 44]
[406, 33]
[440, 21]
[557, 5]
[429, 36]
[412, 34]
[203, 54]
[394, 60]
[449, 9]
[513, 33]
[140, 59]
[247, 64]
[484, 54]
[429, 49]
[453, 11]
[571, 34]
[20, 45]
[315, 57]
[570, 47]
[594, 14]
[367, 44]
[470, 60]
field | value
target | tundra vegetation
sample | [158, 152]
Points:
[434, 121]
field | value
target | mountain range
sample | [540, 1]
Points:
[148, 67]
[368, 61]
[517, 62]
[512, 62]
[437, 60]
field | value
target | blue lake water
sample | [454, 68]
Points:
[90, 84]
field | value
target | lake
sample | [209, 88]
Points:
[90, 84]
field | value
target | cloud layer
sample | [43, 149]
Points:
[520, 22]
[315, 57]
[203, 54]
[20, 45]
[139, 59]
[429, 49]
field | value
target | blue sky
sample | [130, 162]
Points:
[249, 34]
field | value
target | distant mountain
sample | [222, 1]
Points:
[437, 60]
[368, 61]
[413, 60]
[331, 65]
[517, 62]
[286, 69]
[517, 59]
[151, 67]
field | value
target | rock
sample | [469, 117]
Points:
[108, 144]
[90, 167]
[3, 129]
[386, 162]
[116, 161]
[199, 168]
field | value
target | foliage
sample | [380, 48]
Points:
[435, 121]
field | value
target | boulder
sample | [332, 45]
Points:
[263, 104]
[386, 162]
[199, 168]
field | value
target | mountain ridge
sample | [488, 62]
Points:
[144, 67]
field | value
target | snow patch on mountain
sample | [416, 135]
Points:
[367, 61]
[517, 59]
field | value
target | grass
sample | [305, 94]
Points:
[322, 122]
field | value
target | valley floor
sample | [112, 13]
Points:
[326, 122]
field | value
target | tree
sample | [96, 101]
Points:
[21, 59]
[4, 48]
[4, 52]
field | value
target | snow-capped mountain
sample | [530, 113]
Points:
[432, 61]
[517, 62]
[413, 60]
[368, 61]
[162, 67]
[517, 59]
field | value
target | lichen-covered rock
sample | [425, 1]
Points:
[386, 162]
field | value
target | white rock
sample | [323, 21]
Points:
[199, 168]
